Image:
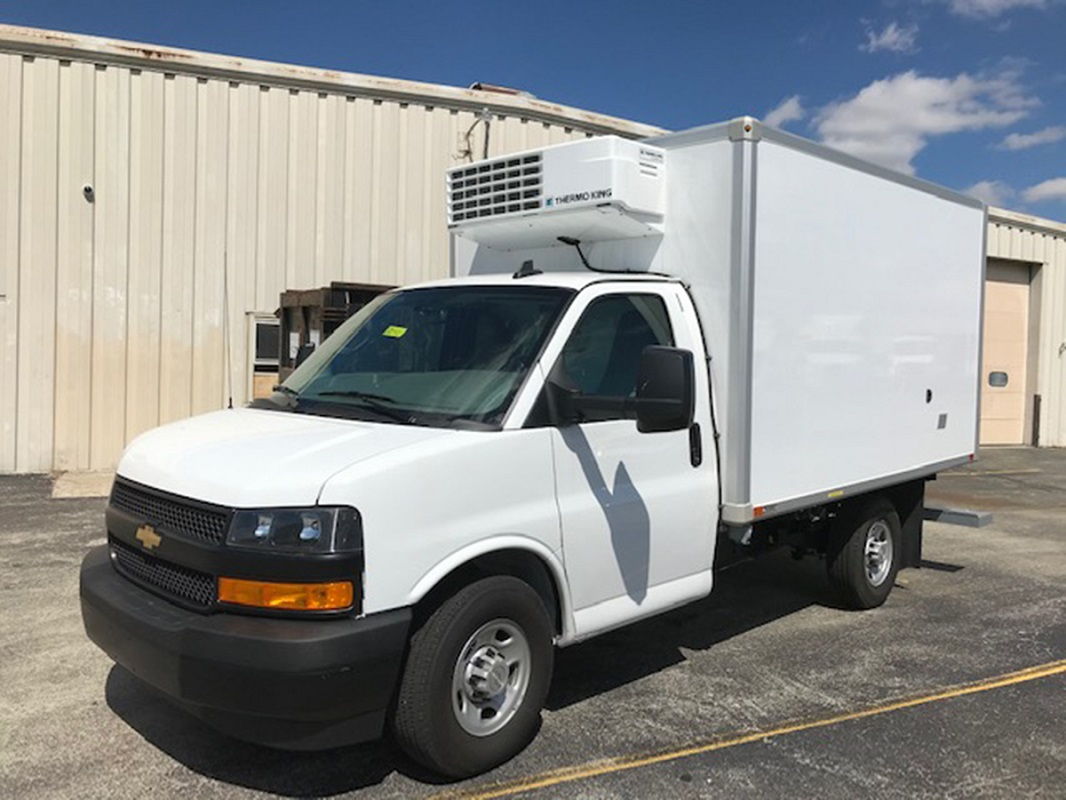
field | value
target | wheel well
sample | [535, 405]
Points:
[815, 529]
[521, 564]
[908, 499]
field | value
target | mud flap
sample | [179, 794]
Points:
[909, 500]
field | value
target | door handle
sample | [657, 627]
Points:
[695, 445]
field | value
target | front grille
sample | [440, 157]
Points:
[195, 588]
[171, 514]
[505, 186]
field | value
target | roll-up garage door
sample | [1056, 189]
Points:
[1006, 328]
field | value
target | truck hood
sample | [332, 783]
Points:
[249, 458]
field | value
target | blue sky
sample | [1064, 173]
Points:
[967, 93]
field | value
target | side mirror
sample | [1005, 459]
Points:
[304, 351]
[666, 395]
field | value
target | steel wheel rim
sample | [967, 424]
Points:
[490, 677]
[877, 552]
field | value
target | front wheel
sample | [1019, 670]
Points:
[476, 677]
[864, 554]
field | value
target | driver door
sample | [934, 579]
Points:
[638, 516]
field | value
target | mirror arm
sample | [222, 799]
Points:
[626, 406]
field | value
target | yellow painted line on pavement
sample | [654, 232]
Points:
[623, 763]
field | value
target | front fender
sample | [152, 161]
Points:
[430, 508]
[493, 544]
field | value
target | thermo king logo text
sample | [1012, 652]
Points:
[578, 197]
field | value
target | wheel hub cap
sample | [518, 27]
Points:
[490, 677]
[878, 553]
[486, 673]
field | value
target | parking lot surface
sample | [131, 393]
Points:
[764, 688]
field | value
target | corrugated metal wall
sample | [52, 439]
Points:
[1041, 242]
[210, 195]
[212, 191]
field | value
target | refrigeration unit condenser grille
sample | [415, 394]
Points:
[499, 187]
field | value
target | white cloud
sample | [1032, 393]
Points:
[988, 9]
[1053, 189]
[892, 119]
[995, 193]
[1022, 141]
[893, 37]
[788, 110]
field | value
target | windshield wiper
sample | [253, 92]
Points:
[378, 403]
[289, 394]
[356, 393]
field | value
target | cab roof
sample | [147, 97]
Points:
[564, 279]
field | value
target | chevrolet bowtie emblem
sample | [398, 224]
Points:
[147, 536]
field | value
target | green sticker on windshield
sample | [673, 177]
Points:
[394, 331]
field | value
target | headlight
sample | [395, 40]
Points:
[297, 530]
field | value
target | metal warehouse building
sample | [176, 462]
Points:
[1023, 380]
[155, 202]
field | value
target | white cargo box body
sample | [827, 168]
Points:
[840, 304]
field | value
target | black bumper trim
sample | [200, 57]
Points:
[300, 684]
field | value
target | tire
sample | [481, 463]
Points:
[476, 677]
[864, 554]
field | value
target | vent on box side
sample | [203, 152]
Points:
[491, 189]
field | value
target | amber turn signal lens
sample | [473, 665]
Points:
[295, 596]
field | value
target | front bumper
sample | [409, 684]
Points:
[288, 683]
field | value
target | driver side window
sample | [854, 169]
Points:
[602, 355]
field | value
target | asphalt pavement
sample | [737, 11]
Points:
[764, 688]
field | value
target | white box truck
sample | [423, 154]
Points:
[651, 356]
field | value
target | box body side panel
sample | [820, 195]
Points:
[867, 315]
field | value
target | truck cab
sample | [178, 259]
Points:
[473, 427]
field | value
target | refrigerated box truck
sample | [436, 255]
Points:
[650, 354]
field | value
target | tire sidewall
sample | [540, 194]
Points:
[501, 598]
[869, 594]
[846, 556]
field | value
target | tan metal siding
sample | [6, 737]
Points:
[144, 289]
[1040, 242]
[74, 296]
[111, 216]
[10, 223]
[206, 189]
[1052, 341]
[37, 265]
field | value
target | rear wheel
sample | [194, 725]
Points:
[864, 554]
[476, 677]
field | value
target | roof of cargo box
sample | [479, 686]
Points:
[751, 129]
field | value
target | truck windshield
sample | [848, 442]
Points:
[447, 356]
